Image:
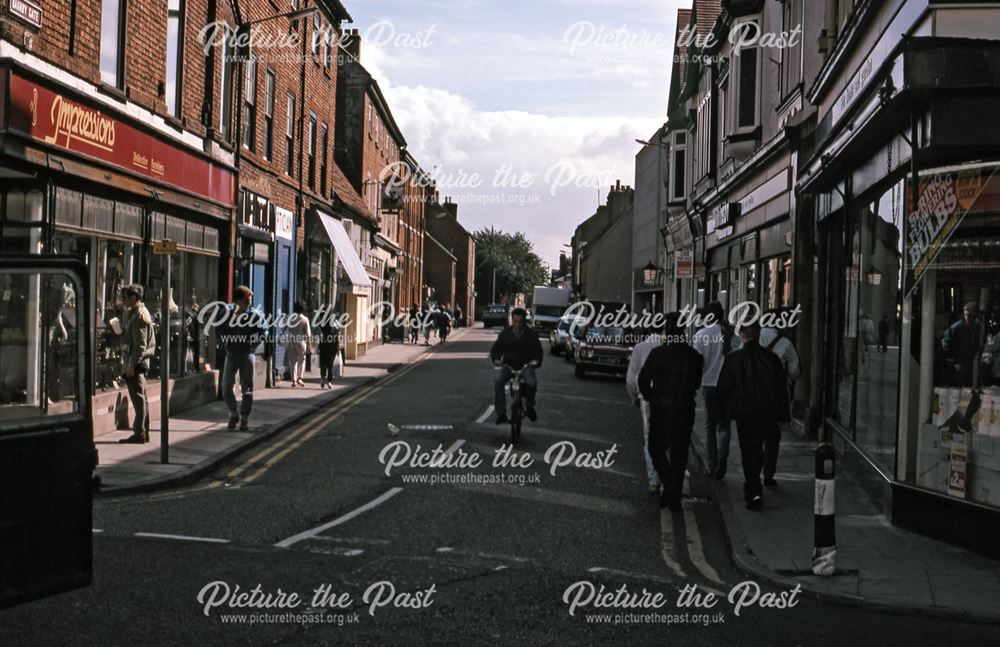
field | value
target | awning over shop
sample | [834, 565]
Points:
[346, 255]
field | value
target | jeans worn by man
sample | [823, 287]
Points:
[500, 380]
[717, 432]
[244, 365]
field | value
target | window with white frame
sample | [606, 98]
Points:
[269, 82]
[113, 42]
[250, 105]
[175, 35]
[744, 84]
[290, 136]
[678, 161]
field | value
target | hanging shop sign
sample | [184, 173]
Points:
[56, 120]
[684, 264]
[946, 196]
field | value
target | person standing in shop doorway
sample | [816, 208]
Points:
[140, 345]
[752, 386]
[240, 333]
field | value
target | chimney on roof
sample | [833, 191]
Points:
[451, 208]
[352, 44]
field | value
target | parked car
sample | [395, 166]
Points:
[573, 340]
[497, 314]
[603, 349]
[559, 336]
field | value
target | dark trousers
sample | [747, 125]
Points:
[754, 431]
[772, 441]
[327, 352]
[669, 442]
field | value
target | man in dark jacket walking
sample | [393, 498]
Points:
[669, 380]
[752, 384]
[517, 346]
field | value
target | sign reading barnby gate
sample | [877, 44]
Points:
[946, 196]
[54, 119]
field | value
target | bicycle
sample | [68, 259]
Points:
[517, 401]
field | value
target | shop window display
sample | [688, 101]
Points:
[952, 333]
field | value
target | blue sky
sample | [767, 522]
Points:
[541, 101]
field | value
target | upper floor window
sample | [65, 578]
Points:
[311, 150]
[250, 105]
[226, 85]
[113, 42]
[790, 56]
[290, 136]
[678, 154]
[325, 144]
[317, 34]
[175, 33]
[745, 84]
[269, 83]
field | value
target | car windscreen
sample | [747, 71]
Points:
[549, 311]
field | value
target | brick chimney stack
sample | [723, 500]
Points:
[451, 208]
[352, 43]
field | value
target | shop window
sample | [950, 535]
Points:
[175, 33]
[269, 81]
[320, 278]
[776, 282]
[113, 42]
[951, 334]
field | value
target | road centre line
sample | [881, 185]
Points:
[307, 534]
[486, 414]
[156, 535]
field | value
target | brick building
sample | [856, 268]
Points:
[111, 140]
[439, 271]
[443, 226]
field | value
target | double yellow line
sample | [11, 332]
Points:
[285, 445]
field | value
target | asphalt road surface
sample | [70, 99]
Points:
[528, 554]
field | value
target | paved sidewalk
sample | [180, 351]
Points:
[199, 439]
[878, 565]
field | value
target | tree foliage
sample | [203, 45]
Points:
[518, 267]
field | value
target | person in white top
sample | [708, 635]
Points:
[777, 341]
[298, 342]
[639, 354]
[714, 342]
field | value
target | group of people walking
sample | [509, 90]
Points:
[239, 334]
[438, 319]
[746, 377]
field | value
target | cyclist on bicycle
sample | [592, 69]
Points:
[517, 346]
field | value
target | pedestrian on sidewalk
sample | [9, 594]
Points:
[883, 334]
[414, 324]
[427, 317]
[298, 336]
[640, 353]
[443, 322]
[669, 380]
[140, 345]
[458, 316]
[752, 386]
[714, 342]
[240, 333]
[778, 342]
[329, 348]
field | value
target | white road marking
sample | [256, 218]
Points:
[445, 549]
[455, 445]
[486, 414]
[395, 429]
[695, 549]
[294, 539]
[156, 535]
[500, 568]
[635, 576]
[97, 530]
[667, 543]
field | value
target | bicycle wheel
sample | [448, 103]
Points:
[516, 413]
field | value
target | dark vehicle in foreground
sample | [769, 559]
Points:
[603, 349]
[47, 454]
[496, 314]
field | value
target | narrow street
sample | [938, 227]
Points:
[483, 561]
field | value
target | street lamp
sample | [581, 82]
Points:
[649, 274]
